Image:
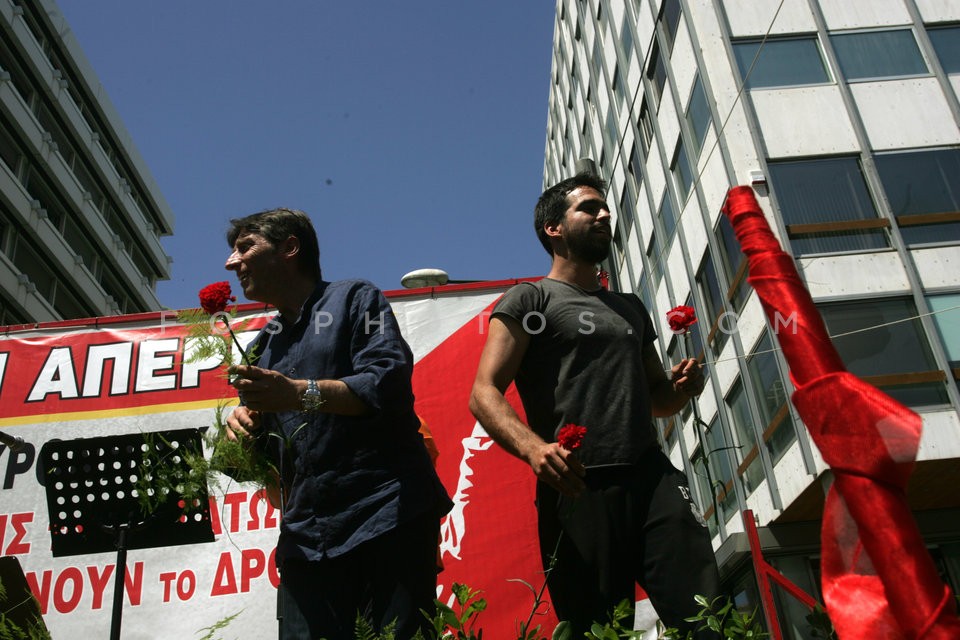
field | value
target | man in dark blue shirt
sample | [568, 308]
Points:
[362, 501]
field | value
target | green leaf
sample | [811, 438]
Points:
[563, 631]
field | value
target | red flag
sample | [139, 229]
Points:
[878, 579]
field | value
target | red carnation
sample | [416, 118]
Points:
[214, 297]
[570, 436]
[680, 318]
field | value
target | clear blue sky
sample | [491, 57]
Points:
[412, 132]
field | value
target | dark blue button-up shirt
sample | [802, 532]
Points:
[349, 478]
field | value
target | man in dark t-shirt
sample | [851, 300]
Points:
[616, 512]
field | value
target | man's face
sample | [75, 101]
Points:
[586, 225]
[258, 266]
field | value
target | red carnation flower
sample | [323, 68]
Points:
[680, 318]
[570, 436]
[603, 278]
[214, 297]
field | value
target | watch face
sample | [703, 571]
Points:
[311, 400]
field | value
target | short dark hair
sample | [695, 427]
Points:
[553, 203]
[276, 225]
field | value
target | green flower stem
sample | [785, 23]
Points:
[243, 354]
[687, 347]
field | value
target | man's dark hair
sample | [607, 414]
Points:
[276, 225]
[553, 203]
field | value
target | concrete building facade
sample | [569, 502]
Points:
[844, 117]
[80, 215]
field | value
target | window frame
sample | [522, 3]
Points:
[908, 222]
[830, 233]
[744, 65]
[845, 63]
[898, 375]
[952, 65]
[657, 74]
[698, 105]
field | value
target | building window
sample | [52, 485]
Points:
[619, 253]
[618, 89]
[597, 60]
[670, 17]
[10, 150]
[781, 62]
[656, 73]
[946, 310]
[626, 40]
[31, 263]
[750, 469]
[923, 189]
[645, 287]
[769, 390]
[735, 264]
[6, 232]
[883, 342]
[612, 130]
[826, 206]
[946, 42]
[646, 127]
[666, 221]
[698, 115]
[870, 55]
[693, 348]
[682, 172]
[627, 211]
[714, 475]
[8, 316]
[635, 169]
[653, 261]
[709, 285]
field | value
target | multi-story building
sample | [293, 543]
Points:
[80, 216]
[844, 117]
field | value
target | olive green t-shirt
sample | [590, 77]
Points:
[584, 366]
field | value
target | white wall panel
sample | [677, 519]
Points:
[678, 274]
[655, 175]
[792, 475]
[694, 231]
[804, 121]
[684, 64]
[939, 10]
[761, 503]
[753, 17]
[713, 176]
[941, 436]
[750, 323]
[851, 14]
[860, 274]
[669, 125]
[726, 367]
[937, 266]
[899, 114]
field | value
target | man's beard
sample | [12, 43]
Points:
[589, 246]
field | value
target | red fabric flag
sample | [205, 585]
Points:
[878, 578]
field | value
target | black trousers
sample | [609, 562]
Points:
[388, 579]
[632, 525]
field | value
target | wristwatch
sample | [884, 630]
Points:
[311, 400]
